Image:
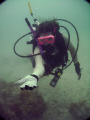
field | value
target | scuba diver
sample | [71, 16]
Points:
[55, 49]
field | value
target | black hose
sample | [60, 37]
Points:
[17, 42]
[38, 53]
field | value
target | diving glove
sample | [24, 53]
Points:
[78, 70]
[28, 83]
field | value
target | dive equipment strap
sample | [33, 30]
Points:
[35, 77]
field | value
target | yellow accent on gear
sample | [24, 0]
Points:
[30, 8]
[59, 74]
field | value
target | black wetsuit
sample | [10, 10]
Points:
[52, 61]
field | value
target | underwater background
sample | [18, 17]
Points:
[70, 98]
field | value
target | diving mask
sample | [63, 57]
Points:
[46, 39]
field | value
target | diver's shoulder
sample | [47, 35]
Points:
[64, 36]
[37, 50]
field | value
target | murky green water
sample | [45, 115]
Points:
[70, 99]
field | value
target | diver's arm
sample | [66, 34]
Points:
[30, 81]
[73, 51]
[39, 67]
[71, 48]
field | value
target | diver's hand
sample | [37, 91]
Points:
[28, 83]
[78, 70]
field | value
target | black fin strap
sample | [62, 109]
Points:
[35, 77]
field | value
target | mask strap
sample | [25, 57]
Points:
[54, 29]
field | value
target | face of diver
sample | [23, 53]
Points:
[45, 35]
